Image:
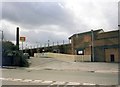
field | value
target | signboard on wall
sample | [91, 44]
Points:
[80, 52]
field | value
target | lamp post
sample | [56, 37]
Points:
[53, 43]
[118, 52]
[1, 47]
[2, 35]
[38, 48]
[119, 43]
[92, 45]
[48, 43]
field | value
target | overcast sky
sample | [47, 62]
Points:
[57, 21]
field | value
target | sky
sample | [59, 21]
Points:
[56, 20]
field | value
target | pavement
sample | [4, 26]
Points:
[53, 64]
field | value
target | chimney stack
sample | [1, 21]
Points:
[17, 38]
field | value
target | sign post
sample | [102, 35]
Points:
[22, 39]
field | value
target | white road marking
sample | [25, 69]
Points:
[47, 82]
[58, 83]
[17, 80]
[2, 78]
[37, 81]
[26, 80]
[73, 83]
[88, 84]
[9, 79]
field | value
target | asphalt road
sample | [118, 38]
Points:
[66, 76]
[49, 71]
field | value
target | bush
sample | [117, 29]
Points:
[10, 50]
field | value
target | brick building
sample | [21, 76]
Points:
[102, 46]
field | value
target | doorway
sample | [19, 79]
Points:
[112, 57]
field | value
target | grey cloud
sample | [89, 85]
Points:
[43, 36]
[32, 15]
[7, 35]
[111, 14]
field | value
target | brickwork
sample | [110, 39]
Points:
[109, 53]
[104, 44]
[82, 40]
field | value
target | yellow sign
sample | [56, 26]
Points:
[22, 39]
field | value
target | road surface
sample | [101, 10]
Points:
[50, 71]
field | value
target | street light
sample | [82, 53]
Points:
[119, 42]
[1, 47]
[2, 35]
[92, 32]
[48, 43]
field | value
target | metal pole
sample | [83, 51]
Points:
[22, 46]
[92, 45]
[63, 42]
[45, 45]
[26, 48]
[119, 43]
[57, 43]
[48, 42]
[48, 46]
[1, 48]
[2, 36]
[31, 50]
[37, 48]
[53, 43]
[119, 53]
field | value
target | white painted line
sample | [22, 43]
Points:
[9, 79]
[73, 83]
[47, 82]
[88, 84]
[26, 80]
[36, 81]
[2, 78]
[17, 80]
[58, 83]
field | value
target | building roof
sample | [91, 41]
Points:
[89, 32]
[109, 34]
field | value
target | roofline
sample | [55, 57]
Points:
[110, 31]
[86, 32]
